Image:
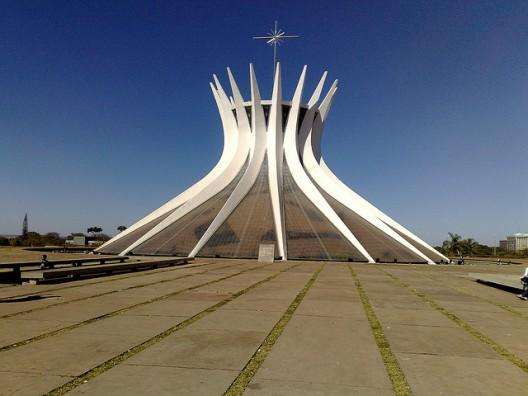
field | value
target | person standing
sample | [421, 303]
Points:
[524, 280]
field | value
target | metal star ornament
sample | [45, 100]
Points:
[275, 38]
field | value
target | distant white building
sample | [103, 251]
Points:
[517, 242]
[77, 240]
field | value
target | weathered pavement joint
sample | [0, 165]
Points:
[463, 324]
[397, 377]
[7, 316]
[116, 360]
[248, 372]
[119, 311]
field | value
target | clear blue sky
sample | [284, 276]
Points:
[106, 112]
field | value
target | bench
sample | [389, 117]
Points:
[102, 269]
[16, 267]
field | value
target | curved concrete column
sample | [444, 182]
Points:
[258, 126]
[300, 177]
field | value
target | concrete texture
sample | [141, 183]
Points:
[327, 348]
[28, 384]
[322, 345]
[210, 349]
[263, 387]
[454, 375]
[133, 380]
[499, 280]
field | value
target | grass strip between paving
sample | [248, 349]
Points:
[108, 292]
[399, 383]
[250, 369]
[117, 312]
[107, 365]
[466, 326]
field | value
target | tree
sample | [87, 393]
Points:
[4, 241]
[469, 246]
[121, 228]
[94, 230]
[52, 238]
[453, 244]
[30, 239]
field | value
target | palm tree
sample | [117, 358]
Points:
[121, 228]
[469, 245]
[453, 244]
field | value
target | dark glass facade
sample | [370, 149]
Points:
[250, 224]
[124, 242]
[380, 246]
[309, 234]
[179, 238]
[433, 256]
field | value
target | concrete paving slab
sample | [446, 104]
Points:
[497, 296]
[172, 307]
[346, 293]
[446, 341]
[68, 354]
[332, 299]
[326, 350]
[17, 305]
[273, 296]
[120, 299]
[390, 303]
[458, 298]
[134, 380]
[305, 267]
[256, 303]
[29, 384]
[512, 338]
[159, 289]
[454, 375]
[485, 319]
[246, 320]
[277, 288]
[92, 307]
[455, 306]
[144, 326]
[201, 295]
[16, 330]
[74, 312]
[523, 310]
[418, 317]
[298, 388]
[499, 280]
[195, 348]
[444, 292]
[337, 309]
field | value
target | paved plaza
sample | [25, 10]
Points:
[292, 328]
